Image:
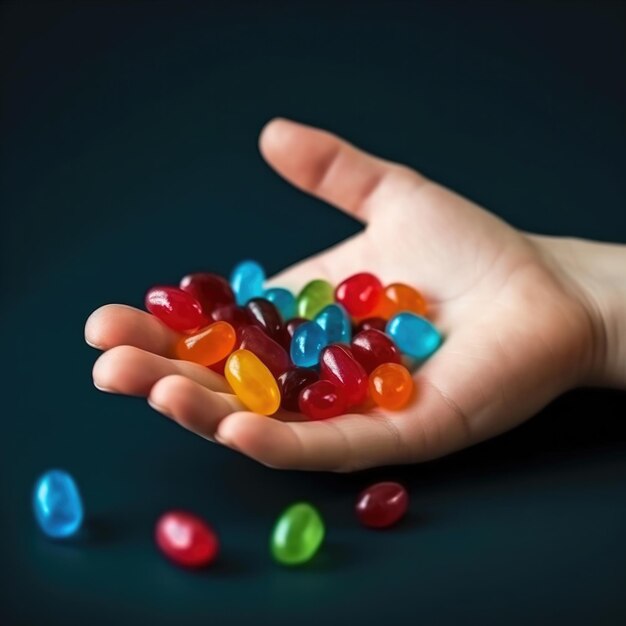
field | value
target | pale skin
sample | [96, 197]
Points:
[525, 318]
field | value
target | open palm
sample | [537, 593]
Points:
[516, 330]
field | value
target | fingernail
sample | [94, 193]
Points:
[93, 345]
[159, 408]
[103, 389]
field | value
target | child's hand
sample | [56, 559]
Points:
[519, 322]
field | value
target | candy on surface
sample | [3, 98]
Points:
[57, 504]
[339, 366]
[335, 321]
[210, 345]
[186, 539]
[371, 323]
[272, 354]
[246, 281]
[266, 315]
[414, 335]
[359, 294]
[391, 386]
[218, 367]
[399, 297]
[307, 343]
[236, 316]
[291, 383]
[297, 535]
[382, 504]
[175, 308]
[283, 300]
[314, 296]
[372, 348]
[322, 399]
[210, 290]
[253, 382]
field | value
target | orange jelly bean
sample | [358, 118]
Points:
[391, 386]
[210, 345]
[400, 297]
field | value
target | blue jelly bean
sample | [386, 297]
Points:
[247, 281]
[283, 300]
[57, 504]
[335, 321]
[307, 343]
[414, 335]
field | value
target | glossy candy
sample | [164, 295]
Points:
[283, 300]
[175, 308]
[399, 297]
[186, 539]
[210, 290]
[382, 504]
[369, 323]
[236, 316]
[272, 354]
[339, 366]
[294, 323]
[321, 400]
[307, 343]
[57, 504]
[314, 297]
[291, 383]
[266, 315]
[372, 348]
[297, 535]
[335, 321]
[210, 345]
[246, 281]
[414, 335]
[359, 294]
[391, 386]
[252, 382]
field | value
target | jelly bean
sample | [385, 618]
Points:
[339, 366]
[283, 300]
[372, 348]
[210, 290]
[399, 297]
[186, 539]
[236, 316]
[175, 308]
[391, 386]
[334, 320]
[272, 354]
[252, 382]
[414, 335]
[291, 383]
[369, 323]
[382, 505]
[322, 399]
[218, 367]
[57, 504]
[297, 535]
[246, 281]
[314, 297]
[307, 343]
[266, 315]
[294, 323]
[210, 345]
[359, 294]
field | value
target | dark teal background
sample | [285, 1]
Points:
[128, 157]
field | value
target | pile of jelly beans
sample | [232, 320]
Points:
[323, 352]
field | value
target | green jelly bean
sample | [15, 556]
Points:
[314, 297]
[297, 535]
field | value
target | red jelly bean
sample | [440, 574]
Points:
[175, 308]
[291, 383]
[294, 322]
[218, 367]
[210, 290]
[272, 354]
[382, 504]
[322, 400]
[236, 316]
[359, 294]
[265, 314]
[186, 539]
[339, 366]
[376, 323]
[372, 348]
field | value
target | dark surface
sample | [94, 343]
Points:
[129, 157]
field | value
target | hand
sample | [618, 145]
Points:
[519, 329]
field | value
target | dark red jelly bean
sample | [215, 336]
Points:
[186, 539]
[359, 294]
[372, 348]
[382, 504]
[322, 400]
[293, 323]
[369, 323]
[218, 367]
[291, 383]
[176, 308]
[236, 316]
[272, 354]
[339, 366]
[266, 315]
[210, 290]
